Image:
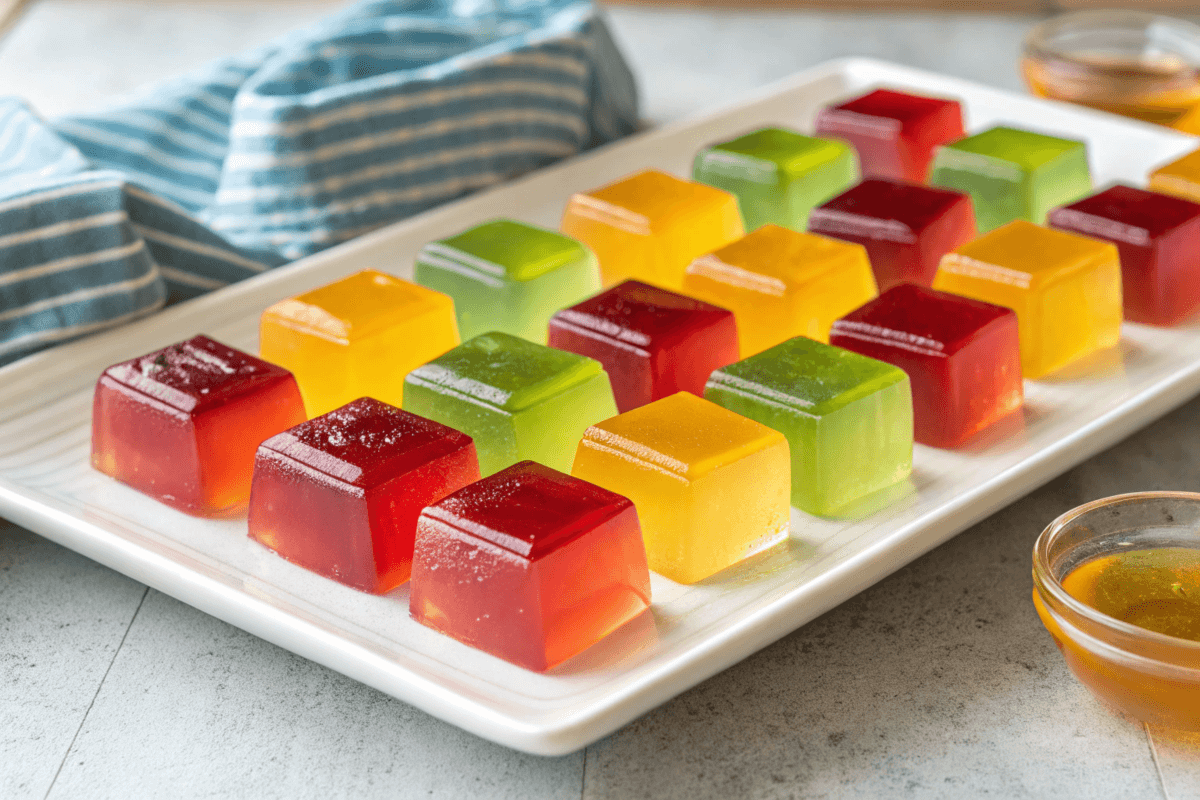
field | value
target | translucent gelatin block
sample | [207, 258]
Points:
[517, 400]
[340, 494]
[1180, 178]
[651, 225]
[777, 175]
[1066, 290]
[711, 487]
[530, 565]
[848, 419]
[1158, 238]
[962, 356]
[508, 276]
[1013, 174]
[895, 133]
[780, 283]
[357, 337]
[181, 424]
[905, 227]
[651, 342]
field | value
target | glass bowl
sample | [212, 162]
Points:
[1126, 62]
[1150, 676]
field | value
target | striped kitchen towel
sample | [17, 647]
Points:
[386, 109]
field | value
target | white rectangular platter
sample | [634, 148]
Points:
[692, 632]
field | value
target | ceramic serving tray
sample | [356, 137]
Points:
[691, 632]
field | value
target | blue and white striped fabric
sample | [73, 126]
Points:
[386, 109]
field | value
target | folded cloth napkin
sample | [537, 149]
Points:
[381, 111]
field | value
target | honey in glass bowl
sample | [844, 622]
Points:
[1130, 63]
[1117, 584]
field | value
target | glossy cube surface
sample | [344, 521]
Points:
[1065, 288]
[340, 494]
[962, 356]
[1158, 238]
[530, 565]
[711, 487]
[777, 175]
[651, 342]
[895, 133]
[181, 424]
[848, 419]
[781, 283]
[508, 276]
[651, 225]
[1178, 178]
[906, 228]
[517, 400]
[357, 337]
[1013, 174]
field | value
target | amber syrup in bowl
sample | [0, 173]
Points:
[1130, 63]
[1116, 582]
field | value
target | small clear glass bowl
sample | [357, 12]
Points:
[1126, 62]
[1150, 676]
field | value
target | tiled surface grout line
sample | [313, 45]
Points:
[1154, 757]
[99, 686]
[583, 776]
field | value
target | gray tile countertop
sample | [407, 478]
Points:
[937, 682]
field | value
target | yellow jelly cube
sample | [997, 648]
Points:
[357, 337]
[1180, 178]
[781, 283]
[651, 225]
[1066, 289]
[710, 486]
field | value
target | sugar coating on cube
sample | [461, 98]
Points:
[1158, 238]
[1013, 174]
[963, 357]
[778, 175]
[649, 226]
[848, 419]
[530, 565]
[651, 342]
[181, 424]
[340, 494]
[1064, 288]
[508, 276]
[906, 227]
[357, 337]
[518, 400]
[711, 487]
[781, 283]
[1178, 178]
[895, 133]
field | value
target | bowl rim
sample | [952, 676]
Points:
[1044, 579]
[1037, 41]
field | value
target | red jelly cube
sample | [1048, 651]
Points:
[530, 565]
[895, 133]
[906, 227]
[341, 493]
[1158, 238]
[181, 424]
[961, 355]
[651, 342]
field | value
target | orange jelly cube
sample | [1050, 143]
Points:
[651, 225]
[357, 337]
[1179, 178]
[530, 565]
[181, 424]
[340, 494]
[781, 283]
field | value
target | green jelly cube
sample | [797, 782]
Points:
[1013, 174]
[778, 175]
[508, 276]
[848, 419]
[517, 400]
